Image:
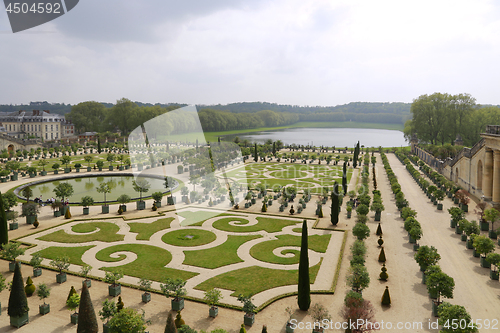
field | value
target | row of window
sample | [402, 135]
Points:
[33, 127]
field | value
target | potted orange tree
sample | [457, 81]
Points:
[212, 298]
[248, 308]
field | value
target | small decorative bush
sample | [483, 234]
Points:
[386, 297]
[30, 287]
[381, 256]
[383, 275]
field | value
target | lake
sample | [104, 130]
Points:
[339, 137]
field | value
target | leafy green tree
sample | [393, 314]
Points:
[358, 278]
[104, 188]
[63, 190]
[440, 284]
[304, 287]
[455, 318]
[128, 320]
[141, 185]
[10, 200]
[87, 116]
[426, 256]
[4, 230]
[361, 231]
[65, 160]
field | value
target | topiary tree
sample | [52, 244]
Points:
[386, 297]
[379, 230]
[383, 274]
[178, 320]
[119, 304]
[87, 320]
[128, 320]
[381, 256]
[335, 207]
[87, 201]
[170, 327]
[304, 287]
[30, 288]
[18, 303]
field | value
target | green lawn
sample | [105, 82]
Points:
[149, 264]
[264, 223]
[198, 218]
[189, 237]
[74, 253]
[264, 251]
[222, 255]
[254, 279]
[146, 230]
[107, 233]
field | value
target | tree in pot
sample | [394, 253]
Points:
[43, 163]
[110, 157]
[112, 278]
[426, 256]
[99, 164]
[415, 234]
[157, 196]
[212, 298]
[27, 192]
[85, 271]
[30, 210]
[60, 263]
[107, 312]
[378, 208]
[319, 313]
[145, 285]
[55, 167]
[483, 245]
[175, 288]
[43, 292]
[358, 278]
[361, 231]
[463, 198]
[471, 229]
[491, 215]
[72, 303]
[407, 212]
[141, 185]
[249, 309]
[78, 166]
[128, 320]
[66, 160]
[88, 159]
[356, 308]
[290, 327]
[441, 285]
[11, 251]
[63, 191]
[439, 195]
[123, 199]
[86, 202]
[18, 302]
[104, 188]
[494, 260]
[36, 262]
[455, 318]
[456, 215]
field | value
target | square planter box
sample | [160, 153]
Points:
[158, 204]
[177, 304]
[475, 254]
[249, 319]
[289, 328]
[88, 282]
[110, 168]
[434, 309]
[74, 318]
[146, 297]
[44, 309]
[86, 210]
[469, 244]
[213, 311]
[12, 266]
[105, 328]
[43, 173]
[485, 226]
[105, 209]
[464, 237]
[458, 230]
[494, 275]
[67, 170]
[30, 219]
[141, 205]
[13, 226]
[492, 234]
[56, 172]
[378, 216]
[123, 207]
[20, 321]
[57, 213]
[37, 271]
[77, 169]
[114, 290]
[61, 278]
[485, 263]
[89, 169]
[453, 224]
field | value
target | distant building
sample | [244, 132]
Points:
[89, 136]
[36, 124]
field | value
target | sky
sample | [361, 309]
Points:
[298, 52]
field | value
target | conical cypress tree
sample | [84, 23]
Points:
[87, 320]
[18, 302]
[381, 256]
[344, 178]
[334, 213]
[379, 230]
[99, 145]
[170, 327]
[304, 287]
[4, 230]
[255, 158]
[386, 297]
[72, 291]
[264, 329]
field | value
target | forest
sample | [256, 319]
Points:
[438, 118]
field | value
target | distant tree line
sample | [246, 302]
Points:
[438, 118]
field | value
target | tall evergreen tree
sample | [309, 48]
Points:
[4, 230]
[18, 302]
[87, 320]
[334, 214]
[304, 287]
[170, 327]
[255, 156]
[99, 145]
[355, 156]
[274, 148]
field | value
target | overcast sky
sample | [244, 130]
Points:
[301, 52]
